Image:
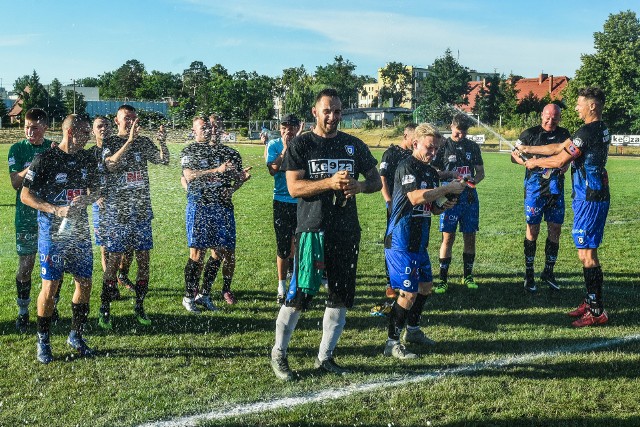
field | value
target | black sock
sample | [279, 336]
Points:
[529, 257]
[468, 260]
[79, 314]
[397, 319]
[226, 283]
[444, 268]
[551, 255]
[43, 324]
[593, 279]
[23, 288]
[191, 278]
[141, 288]
[210, 273]
[413, 319]
[107, 291]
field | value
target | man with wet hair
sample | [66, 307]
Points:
[21, 155]
[543, 197]
[587, 151]
[60, 184]
[459, 158]
[128, 213]
[322, 170]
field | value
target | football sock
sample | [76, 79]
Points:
[397, 319]
[444, 268]
[468, 260]
[285, 325]
[210, 272]
[141, 288]
[226, 283]
[23, 305]
[332, 326]
[282, 287]
[551, 255]
[43, 324]
[107, 290]
[593, 279]
[191, 277]
[23, 288]
[529, 257]
[79, 314]
[413, 318]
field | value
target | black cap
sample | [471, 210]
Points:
[289, 119]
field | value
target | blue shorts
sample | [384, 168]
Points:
[466, 212]
[588, 223]
[210, 226]
[119, 237]
[73, 256]
[551, 207]
[97, 226]
[408, 269]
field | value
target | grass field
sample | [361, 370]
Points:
[185, 365]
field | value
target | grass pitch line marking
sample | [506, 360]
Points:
[333, 394]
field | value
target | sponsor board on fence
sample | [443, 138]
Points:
[478, 139]
[229, 137]
[626, 140]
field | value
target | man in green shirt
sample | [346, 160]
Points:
[21, 155]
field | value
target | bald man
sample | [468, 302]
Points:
[543, 198]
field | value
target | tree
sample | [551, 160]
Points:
[197, 75]
[340, 76]
[56, 109]
[396, 83]
[123, 82]
[488, 100]
[295, 89]
[508, 100]
[614, 67]
[446, 83]
[33, 93]
[80, 104]
[4, 111]
[88, 82]
[158, 85]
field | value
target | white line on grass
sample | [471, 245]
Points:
[333, 394]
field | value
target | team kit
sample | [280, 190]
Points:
[317, 175]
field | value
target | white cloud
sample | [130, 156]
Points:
[17, 40]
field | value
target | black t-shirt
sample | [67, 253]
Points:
[212, 188]
[58, 177]
[408, 228]
[462, 156]
[534, 180]
[389, 162]
[321, 158]
[127, 187]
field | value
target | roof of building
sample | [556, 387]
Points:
[540, 86]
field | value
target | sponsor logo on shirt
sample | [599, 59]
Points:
[137, 156]
[452, 158]
[185, 161]
[350, 149]
[383, 165]
[408, 179]
[12, 161]
[325, 168]
[61, 178]
[578, 142]
[30, 175]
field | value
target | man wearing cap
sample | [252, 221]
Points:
[284, 206]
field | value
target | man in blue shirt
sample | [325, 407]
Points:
[588, 151]
[284, 206]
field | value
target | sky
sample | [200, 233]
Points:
[69, 39]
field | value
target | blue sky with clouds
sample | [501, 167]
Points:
[70, 39]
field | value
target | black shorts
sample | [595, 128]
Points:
[341, 263]
[284, 223]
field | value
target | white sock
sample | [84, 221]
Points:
[285, 325]
[282, 287]
[332, 327]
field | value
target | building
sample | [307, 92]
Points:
[369, 96]
[540, 87]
